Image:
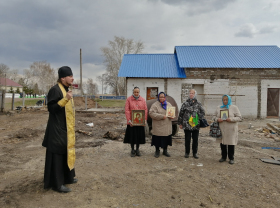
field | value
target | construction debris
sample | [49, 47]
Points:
[274, 127]
[112, 135]
[275, 161]
[90, 124]
[84, 132]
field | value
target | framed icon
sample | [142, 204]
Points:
[224, 114]
[138, 117]
[170, 111]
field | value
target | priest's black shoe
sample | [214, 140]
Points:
[195, 156]
[63, 189]
[75, 180]
[186, 155]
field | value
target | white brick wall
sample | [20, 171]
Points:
[247, 104]
[143, 84]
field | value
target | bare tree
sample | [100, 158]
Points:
[113, 58]
[9, 73]
[91, 87]
[13, 74]
[28, 78]
[45, 75]
[3, 70]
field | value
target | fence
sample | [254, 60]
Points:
[121, 97]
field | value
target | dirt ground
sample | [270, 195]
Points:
[109, 177]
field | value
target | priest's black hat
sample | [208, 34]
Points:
[64, 71]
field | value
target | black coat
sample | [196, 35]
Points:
[55, 139]
[188, 107]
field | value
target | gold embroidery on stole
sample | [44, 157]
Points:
[70, 124]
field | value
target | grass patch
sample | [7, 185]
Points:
[27, 102]
[111, 103]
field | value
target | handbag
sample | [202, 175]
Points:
[203, 123]
[215, 130]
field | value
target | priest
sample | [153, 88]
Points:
[59, 137]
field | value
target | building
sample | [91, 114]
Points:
[250, 74]
[7, 84]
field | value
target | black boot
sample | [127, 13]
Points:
[186, 155]
[166, 153]
[62, 189]
[132, 154]
[195, 156]
[138, 153]
[157, 153]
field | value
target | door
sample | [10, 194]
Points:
[273, 102]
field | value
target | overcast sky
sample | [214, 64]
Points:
[55, 30]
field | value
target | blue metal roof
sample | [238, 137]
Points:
[228, 56]
[151, 65]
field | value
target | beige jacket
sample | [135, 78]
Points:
[160, 127]
[229, 129]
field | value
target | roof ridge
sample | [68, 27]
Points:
[228, 46]
[149, 54]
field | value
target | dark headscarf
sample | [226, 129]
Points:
[164, 103]
[64, 71]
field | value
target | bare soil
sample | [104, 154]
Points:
[109, 177]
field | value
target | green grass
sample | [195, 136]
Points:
[27, 102]
[111, 103]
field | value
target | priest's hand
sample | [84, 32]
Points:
[69, 95]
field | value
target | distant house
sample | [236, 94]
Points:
[251, 74]
[7, 84]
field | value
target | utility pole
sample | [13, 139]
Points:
[81, 81]
[5, 83]
[102, 85]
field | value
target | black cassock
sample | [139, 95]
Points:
[57, 172]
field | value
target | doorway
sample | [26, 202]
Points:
[273, 102]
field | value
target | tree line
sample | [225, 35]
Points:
[39, 78]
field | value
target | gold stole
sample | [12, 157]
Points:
[70, 124]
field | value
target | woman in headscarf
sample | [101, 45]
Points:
[190, 114]
[229, 128]
[161, 125]
[135, 135]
